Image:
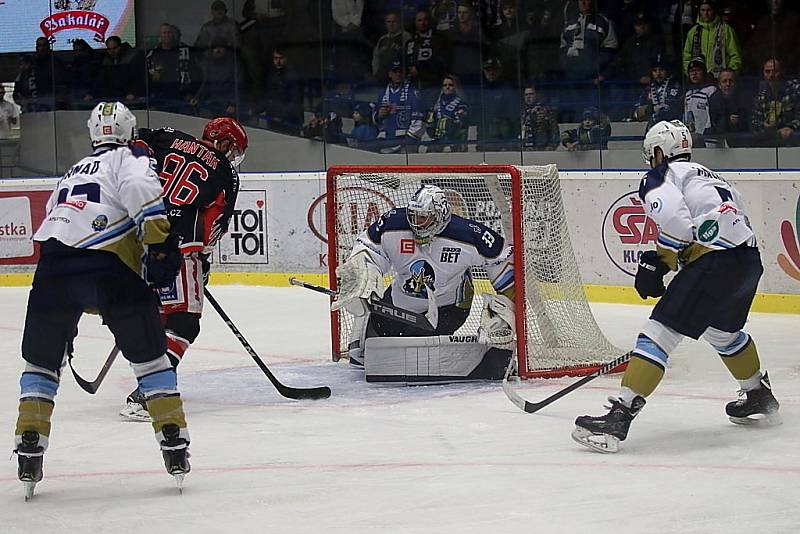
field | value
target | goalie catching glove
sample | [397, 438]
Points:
[498, 321]
[359, 278]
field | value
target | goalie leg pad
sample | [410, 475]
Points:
[429, 360]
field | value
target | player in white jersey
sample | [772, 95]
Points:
[103, 213]
[705, 235]
[430, 252]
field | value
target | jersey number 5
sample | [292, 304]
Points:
[177, 175]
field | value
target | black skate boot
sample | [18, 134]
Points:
[603, 433]
[30, 456]
[136, 409]
[175, 450]
[755, 406]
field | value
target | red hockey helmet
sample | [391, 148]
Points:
[222, 129]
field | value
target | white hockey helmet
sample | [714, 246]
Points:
[111, 123]
[428, 213]
[672, 137]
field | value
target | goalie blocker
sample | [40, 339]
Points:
[432, 359]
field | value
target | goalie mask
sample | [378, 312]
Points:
[428, 213]
[111, 123]
[672, 137]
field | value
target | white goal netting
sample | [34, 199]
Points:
[560, 333]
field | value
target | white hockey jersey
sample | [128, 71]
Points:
[696, 210]
[443, 265]
[110, 201]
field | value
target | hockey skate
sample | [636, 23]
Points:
[757, 406]
[136, 409]
[30, 456]
[604, 433]
[175, 450]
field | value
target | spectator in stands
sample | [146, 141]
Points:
[499, 119]
[428, 56]
[588, 42]
[447, 121]
[592, 133]
[349, 52]
[399, 113]
[8, 115]
[219, 93]
[681, 16]
[283, 98]
[729, 109]
[445, 14]
[540, 52]
[390, 46]
[624, 13]
[325, 126]
[174, 72]
[713, 40]
[260, 30]
[699, 89]
[82, 70]
[408, 10]
[37, 86]
[509, 35]
[775, 117]
[775, 35]
[221, 28]
[630, 69]
[122, 74]
[467, 46]
[364, 132]
[539, 124]
[661, 100]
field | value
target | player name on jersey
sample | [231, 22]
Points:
[196, 149]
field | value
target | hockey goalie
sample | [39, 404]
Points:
[429, 253]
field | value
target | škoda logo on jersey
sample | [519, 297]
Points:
[628, 232]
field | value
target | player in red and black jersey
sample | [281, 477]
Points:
[200, 185]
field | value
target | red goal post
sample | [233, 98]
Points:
[556, 331]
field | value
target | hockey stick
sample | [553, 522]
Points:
[532, 407]
[321, 392]
[377, 306]
[94, 385]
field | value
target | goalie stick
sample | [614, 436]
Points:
[533, 407]
[94, 385]
[376, 306]
[321, 392]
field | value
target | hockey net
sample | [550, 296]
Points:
[556, 332]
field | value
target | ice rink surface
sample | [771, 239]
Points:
[383, 459]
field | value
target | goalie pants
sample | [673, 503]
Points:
[716, 290]
[69, 282]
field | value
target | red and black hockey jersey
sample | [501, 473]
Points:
[200, 186]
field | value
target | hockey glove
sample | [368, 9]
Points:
[650, 275]
[498, 321]
[359, 278]
[163, 261]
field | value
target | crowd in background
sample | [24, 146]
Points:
[391, 75]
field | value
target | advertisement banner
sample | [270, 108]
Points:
[20, 215]
[246, 240]
[64, 21]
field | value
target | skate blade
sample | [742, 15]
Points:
[772, 419]
[604, 443]
[179, 481]
[129, 413]
[29, 487]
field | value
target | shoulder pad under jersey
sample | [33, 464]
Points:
[392, 220]
[654, 178]
[140, 148]
[488, 242]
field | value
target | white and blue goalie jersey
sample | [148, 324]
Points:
[108, 201]
[444, 264]
[696, 211]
